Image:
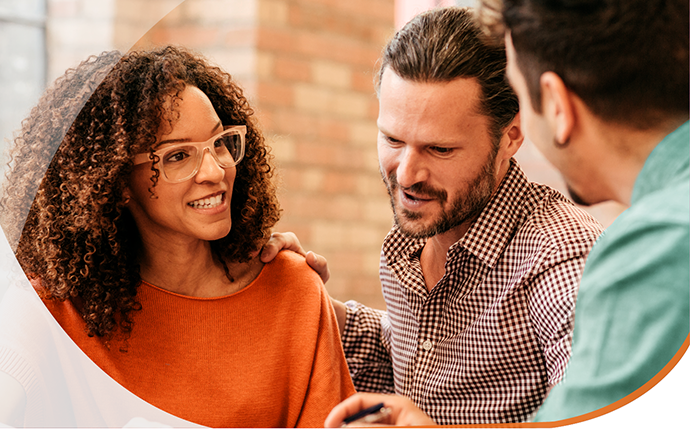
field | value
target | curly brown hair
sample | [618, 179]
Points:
[70, 226]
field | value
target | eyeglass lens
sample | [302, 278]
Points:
[182, 161]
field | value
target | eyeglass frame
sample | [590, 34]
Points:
[145, 157]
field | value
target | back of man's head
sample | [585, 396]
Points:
[626, 59]
[444, 44]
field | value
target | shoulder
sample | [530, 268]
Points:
[657, 218]
[288, 261]
[289, 270]
[644, 254]
[669, 206]
[558, 221]
[654, 232]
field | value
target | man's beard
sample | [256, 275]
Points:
[464, 209]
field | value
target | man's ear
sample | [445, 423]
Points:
[557, 107]
[514, 136]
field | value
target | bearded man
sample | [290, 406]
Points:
[482, 266]
[481, 269]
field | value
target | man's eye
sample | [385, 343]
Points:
[392, 141]
[441, 151]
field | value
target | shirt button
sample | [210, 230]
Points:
[427, 345]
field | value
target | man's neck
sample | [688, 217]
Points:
[621, 152]
[435, 251]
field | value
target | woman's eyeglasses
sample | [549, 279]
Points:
[180, 162]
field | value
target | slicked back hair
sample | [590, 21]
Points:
[445, 44]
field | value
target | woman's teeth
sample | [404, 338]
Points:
[208, 202]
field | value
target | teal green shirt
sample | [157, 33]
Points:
[632, 312]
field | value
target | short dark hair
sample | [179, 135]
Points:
[626, 59]
[444, 44]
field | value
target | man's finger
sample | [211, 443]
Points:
[319, 264]
[350, 406]
[281, 241]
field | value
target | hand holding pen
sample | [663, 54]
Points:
[380, 410]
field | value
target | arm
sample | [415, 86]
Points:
[340, 314]
[403, 410]
[551, 291]
[13, 401]
[551, 300]
[367, 348]
[364, 341]
[631, 316]
[330, 381]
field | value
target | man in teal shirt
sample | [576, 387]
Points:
[616, 127]
[631, 315]
[603, 90]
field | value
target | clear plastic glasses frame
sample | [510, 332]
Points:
[181, 161]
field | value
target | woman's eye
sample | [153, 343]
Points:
[177, 156]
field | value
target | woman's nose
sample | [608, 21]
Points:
[209, 170]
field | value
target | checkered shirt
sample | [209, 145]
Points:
[485, 344]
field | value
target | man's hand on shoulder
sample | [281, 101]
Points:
[289, 241]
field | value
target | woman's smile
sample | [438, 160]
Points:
[198, 207]
[208, 203]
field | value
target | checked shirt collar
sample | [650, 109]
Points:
[486, 238]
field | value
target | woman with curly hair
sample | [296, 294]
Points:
[142, 240]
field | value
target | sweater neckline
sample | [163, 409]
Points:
[225, 296]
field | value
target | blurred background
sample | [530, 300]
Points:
[307, 67]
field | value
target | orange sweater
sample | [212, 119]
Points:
[266, 356]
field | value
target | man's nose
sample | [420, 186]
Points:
[412, 167]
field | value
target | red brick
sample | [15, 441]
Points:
[383, 10]
[294, 123]
[279, 40]
[373, 110]
[316, 153]
[303, 231]
[340, 183]
[314, 17]
[238, 37]
[187, 35]
[363, 80]
[272, 93]
[333, 129]
[291, 68]
[328, 153]
[337, 48]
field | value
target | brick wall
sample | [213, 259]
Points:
[308, 67]
[316, 100]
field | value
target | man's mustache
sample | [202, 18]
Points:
[420, 188]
